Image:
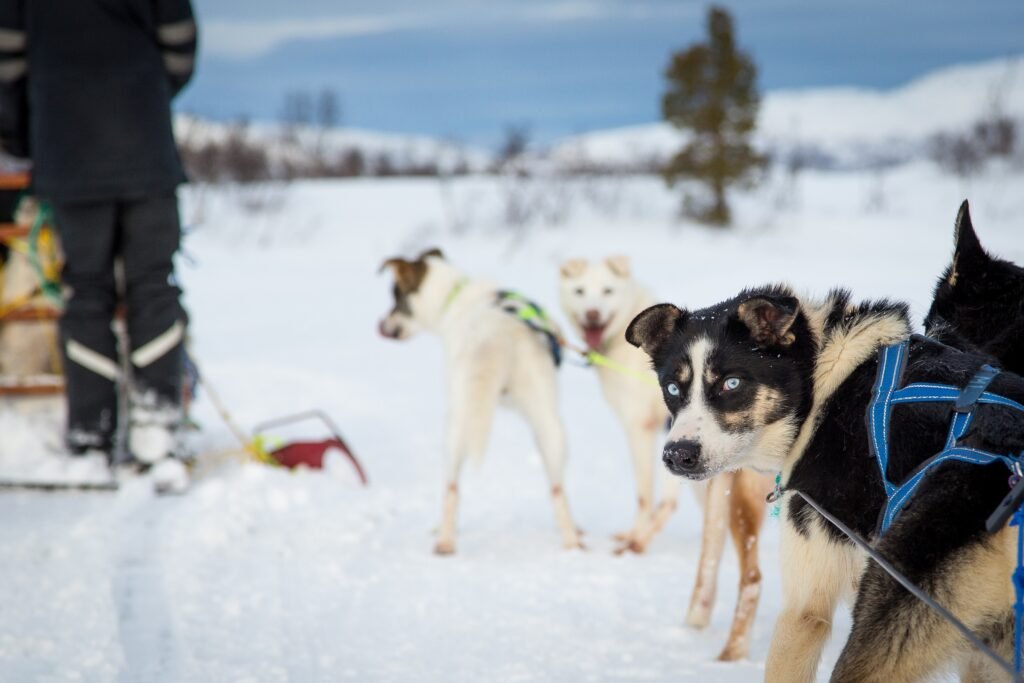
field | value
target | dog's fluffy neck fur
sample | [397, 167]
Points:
[846, 335]
[446, 299]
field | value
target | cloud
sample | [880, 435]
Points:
[245, 38]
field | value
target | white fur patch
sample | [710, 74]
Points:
[697, 422]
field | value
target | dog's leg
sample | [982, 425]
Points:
[472, 401]
[668, 486]
[896, 638]
[642, 438]
[814, 574]
[445, 544]
[747, 507]
[712, 542]
[541, 411]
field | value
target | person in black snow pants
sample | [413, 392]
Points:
[98, 77]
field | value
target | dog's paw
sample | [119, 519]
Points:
[631, 545]
[733, 652]
[444, 547]
[624, 537]
[573, 544]
[698, 616]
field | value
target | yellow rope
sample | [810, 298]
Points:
[606, 362]
[253, 447]
[599, 359]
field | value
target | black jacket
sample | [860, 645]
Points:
[99, 76]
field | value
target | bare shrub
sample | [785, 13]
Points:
[993, 136]
[236, 158]
[957, 153]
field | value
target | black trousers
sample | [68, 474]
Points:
[144, 234]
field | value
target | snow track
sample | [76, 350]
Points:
[145, 626]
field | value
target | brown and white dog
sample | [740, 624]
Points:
[490, 357]
[600, 299]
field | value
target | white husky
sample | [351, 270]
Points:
[601, 299]
[490, 355]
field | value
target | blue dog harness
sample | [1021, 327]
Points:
[887, 394]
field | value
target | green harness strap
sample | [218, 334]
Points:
[527, 311]
[536, 318]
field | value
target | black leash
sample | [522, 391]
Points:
[913, 589]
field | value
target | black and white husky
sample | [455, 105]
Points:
[778, 382]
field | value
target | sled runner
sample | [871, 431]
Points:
[55, 486]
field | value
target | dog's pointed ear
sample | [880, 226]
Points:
[431, 252]
[392, 263]
[408, 274]
[769, 319]
[618, 264]
[652, 327]
[968, 246]
[573, 267]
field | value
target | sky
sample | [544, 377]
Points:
[470, 69]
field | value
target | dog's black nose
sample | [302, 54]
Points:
[682, 457]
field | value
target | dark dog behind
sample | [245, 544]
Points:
[979, 301]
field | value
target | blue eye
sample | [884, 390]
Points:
[730, 383]
[673, 389]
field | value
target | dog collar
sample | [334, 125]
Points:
[454, 293]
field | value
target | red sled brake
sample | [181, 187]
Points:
[309, 453]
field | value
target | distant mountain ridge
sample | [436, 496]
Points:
[834, 127]
[301, 145]
[840, 127]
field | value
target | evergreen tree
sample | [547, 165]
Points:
[712, 93]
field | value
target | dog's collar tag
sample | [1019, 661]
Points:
[775, 497]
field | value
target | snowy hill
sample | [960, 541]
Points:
[844, 127]
[839, 127]
[303, 143]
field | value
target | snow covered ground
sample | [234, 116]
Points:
[265, 575]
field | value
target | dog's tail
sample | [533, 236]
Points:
[478, 402]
